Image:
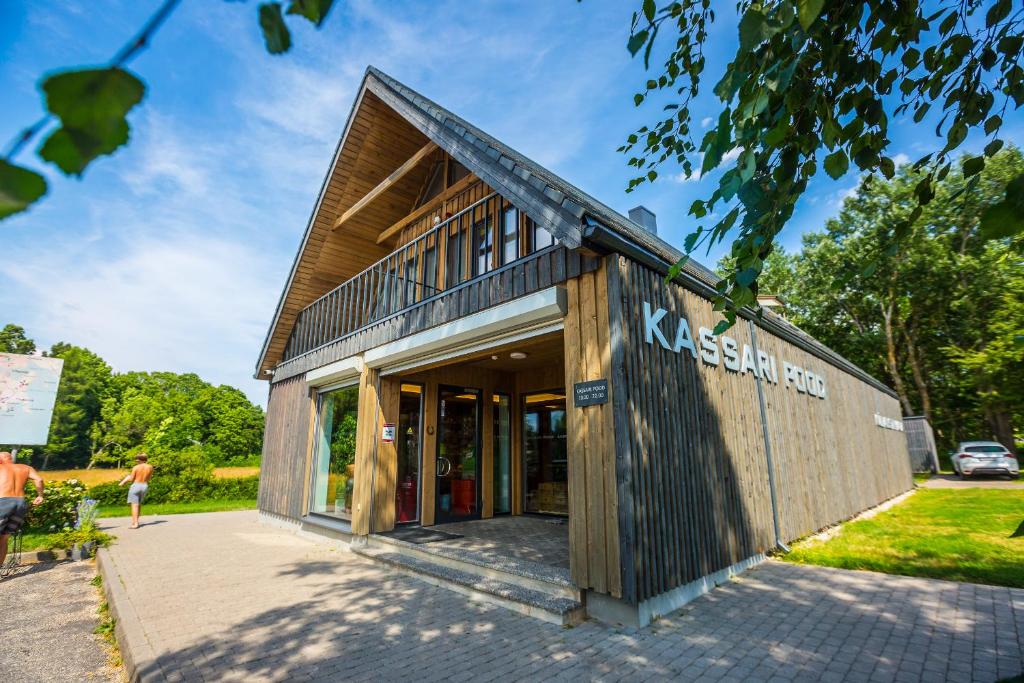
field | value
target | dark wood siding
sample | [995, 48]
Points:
[538, 271]
[284, 467]
[694, 495]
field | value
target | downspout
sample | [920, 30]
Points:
[767, 441]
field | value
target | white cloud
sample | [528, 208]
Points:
[181, 302]
[900, 159]
[706, 121]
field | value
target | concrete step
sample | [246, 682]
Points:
[539, 604]
[526, 573]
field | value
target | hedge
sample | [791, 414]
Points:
[172, 490]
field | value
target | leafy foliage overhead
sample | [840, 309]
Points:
[14, 340]
[91, 105]
[815, 83]
[941, 319]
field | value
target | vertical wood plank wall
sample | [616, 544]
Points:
[284, 467]
[593, 503]
[691, 449]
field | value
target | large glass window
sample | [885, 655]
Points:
[483, 246]
[335, 458]
[546, 462]
[502, 454]
[509, 235]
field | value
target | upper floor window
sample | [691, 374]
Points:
[541, 237]
[483, 245]
[509, 235]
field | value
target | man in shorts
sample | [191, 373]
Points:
[139, 478]
[12, 497]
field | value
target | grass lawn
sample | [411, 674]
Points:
[179, 508]
[100, 476]
[974, 535]
[32, 540]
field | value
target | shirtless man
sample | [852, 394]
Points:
[139, 477]
[12, 497]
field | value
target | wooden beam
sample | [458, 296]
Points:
[385, 184]
[436, 204]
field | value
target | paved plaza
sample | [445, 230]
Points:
[223, 597]
[952, 481]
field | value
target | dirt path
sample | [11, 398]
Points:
[49, 613]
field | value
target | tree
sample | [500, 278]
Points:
[940, 318]
[815, 83]
[13, 340]
[83, 386]
[91, 105]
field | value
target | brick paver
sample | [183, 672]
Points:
[223, 597]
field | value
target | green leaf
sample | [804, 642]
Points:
[973, 166]
[275, 33]
[998, 12]
[649, 9]
[92, 105]
[993, 147]
[636, 41]
[753, 30]
[836, 164]
[808, 11]
[313, 10]
[992, 124]
[92, 97]
[888, 168]
[72, 149]
[19, 188]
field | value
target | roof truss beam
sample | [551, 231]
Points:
[386, 184]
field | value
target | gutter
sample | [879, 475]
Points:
[779, 543]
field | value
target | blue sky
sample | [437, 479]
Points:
[171, 254]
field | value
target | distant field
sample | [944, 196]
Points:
[93, 477]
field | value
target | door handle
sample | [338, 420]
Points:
[444, 467]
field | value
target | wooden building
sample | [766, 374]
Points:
[466, 336]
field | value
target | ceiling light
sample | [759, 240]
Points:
[517, 355]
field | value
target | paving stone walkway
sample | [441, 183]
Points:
[222, 597]
[47, 617]
[952, 481]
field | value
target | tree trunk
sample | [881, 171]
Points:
[1000, 421]
[891, 362]
[918, 372]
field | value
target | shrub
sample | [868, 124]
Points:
[59, 507]
[170, 490]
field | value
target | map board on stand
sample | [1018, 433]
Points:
[28, 390]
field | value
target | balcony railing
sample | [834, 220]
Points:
[452, 252]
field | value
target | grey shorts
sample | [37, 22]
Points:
[137, 493]
[12, 515]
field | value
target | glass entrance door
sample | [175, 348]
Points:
[458, 454]
[408, 442]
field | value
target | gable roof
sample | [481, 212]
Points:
[569, 213]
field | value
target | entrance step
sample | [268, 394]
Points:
[494, 565]
[552, 602]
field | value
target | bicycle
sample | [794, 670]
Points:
[13, 559]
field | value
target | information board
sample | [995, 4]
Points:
[28, 390]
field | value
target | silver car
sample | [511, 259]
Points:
[984, 457]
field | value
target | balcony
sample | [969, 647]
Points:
[485, 238]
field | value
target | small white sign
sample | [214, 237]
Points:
[387, 434]
[888, 423]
